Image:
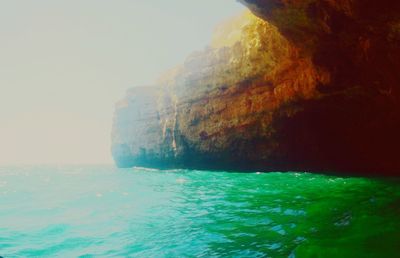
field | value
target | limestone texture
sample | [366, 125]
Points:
[290, 85]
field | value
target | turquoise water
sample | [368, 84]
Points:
[101, 211]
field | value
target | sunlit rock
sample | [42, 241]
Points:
[298, 85]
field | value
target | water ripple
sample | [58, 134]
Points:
[100, 211]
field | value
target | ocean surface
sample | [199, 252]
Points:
[102, 211]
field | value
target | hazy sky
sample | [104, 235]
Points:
[64, 63]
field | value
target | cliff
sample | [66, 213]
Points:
[307, 85]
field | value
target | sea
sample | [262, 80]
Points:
[103, 211]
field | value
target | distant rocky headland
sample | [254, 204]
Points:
[299, 85]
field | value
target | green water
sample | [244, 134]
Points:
[100, 211]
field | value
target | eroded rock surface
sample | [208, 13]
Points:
[298, 85]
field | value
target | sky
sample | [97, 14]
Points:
[65, 63]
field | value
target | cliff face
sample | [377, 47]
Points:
[298, 85]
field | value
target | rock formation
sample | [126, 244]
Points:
[301, 85]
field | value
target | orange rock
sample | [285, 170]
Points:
[298, 85]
